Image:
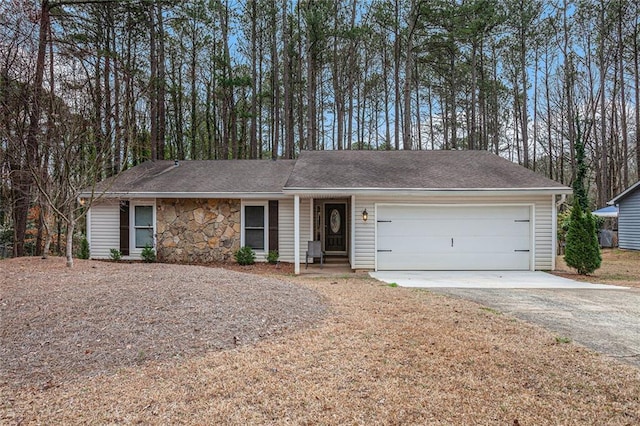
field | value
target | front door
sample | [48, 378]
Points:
[335, 225]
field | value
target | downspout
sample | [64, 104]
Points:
[296, 234]
[563, 198]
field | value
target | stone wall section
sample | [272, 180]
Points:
[197, 230]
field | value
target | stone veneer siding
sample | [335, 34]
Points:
[197, 230]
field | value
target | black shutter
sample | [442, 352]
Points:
[124, 228]
[273, 224]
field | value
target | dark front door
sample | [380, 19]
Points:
[335, 225]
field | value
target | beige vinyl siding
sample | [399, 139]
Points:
[543, 235]
[365, 250]
[365, 244]
[105, 229]
[285, 228]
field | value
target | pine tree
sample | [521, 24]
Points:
[583, 251]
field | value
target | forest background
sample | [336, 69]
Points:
[91, 87]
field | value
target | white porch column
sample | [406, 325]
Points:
[296, 234]
[352, 243]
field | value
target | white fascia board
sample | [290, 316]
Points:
[233, 195]
[623, 194]
[422, 191]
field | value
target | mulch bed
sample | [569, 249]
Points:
[375, 355]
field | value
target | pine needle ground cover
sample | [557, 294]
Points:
[333, 350]
[619, 267]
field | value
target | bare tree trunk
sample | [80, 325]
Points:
[22, 191]
[524, 122]
[71, 225]
[453, 122]
[431, 129]
[107, 75]
[45, 211]
[407, 137]
[418, 123]
[623, 102]
[483, 111]
[569, 82]
[385, 76]
[494, 103]
[194, 94]
[253, 126]
[117, 94]
[337, 79]
[129, 113]
[286, 84]
[473, 129]
[153, 84]
[275, 83]
[534, 143]
[312, 90]
[549, 114]
[209, 123]
[162, 120]
[301, 93]
[604, 166]
[636, 81]
[396, 76]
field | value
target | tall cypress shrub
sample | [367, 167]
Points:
[582, 250]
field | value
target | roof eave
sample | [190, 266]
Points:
[287, 192]
[624, 194]
[429, 191]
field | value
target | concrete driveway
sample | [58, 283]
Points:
[481, 279]
[603, 318]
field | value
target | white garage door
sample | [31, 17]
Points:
[453, 237]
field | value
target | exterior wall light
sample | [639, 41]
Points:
[365, 215]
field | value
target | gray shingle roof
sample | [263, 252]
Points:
[331, 170]
[222, 176]
[411, 170]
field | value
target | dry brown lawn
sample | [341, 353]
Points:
[619, 267]
[353, 352]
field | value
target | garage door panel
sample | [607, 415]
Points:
[416, 212]
[449, 227]
[451, 261]
[459, 244]
[453, 237]
[491, 243]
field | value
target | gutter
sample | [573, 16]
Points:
[432, 192]
[246, 195]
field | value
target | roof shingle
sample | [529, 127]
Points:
[412, 170]
[331, 170]
[220, 176]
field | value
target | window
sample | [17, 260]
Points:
[143, 224]
[254, 227]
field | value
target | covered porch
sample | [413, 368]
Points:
[332, 265]
[330, 224]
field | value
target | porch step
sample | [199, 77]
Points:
[336, 260]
